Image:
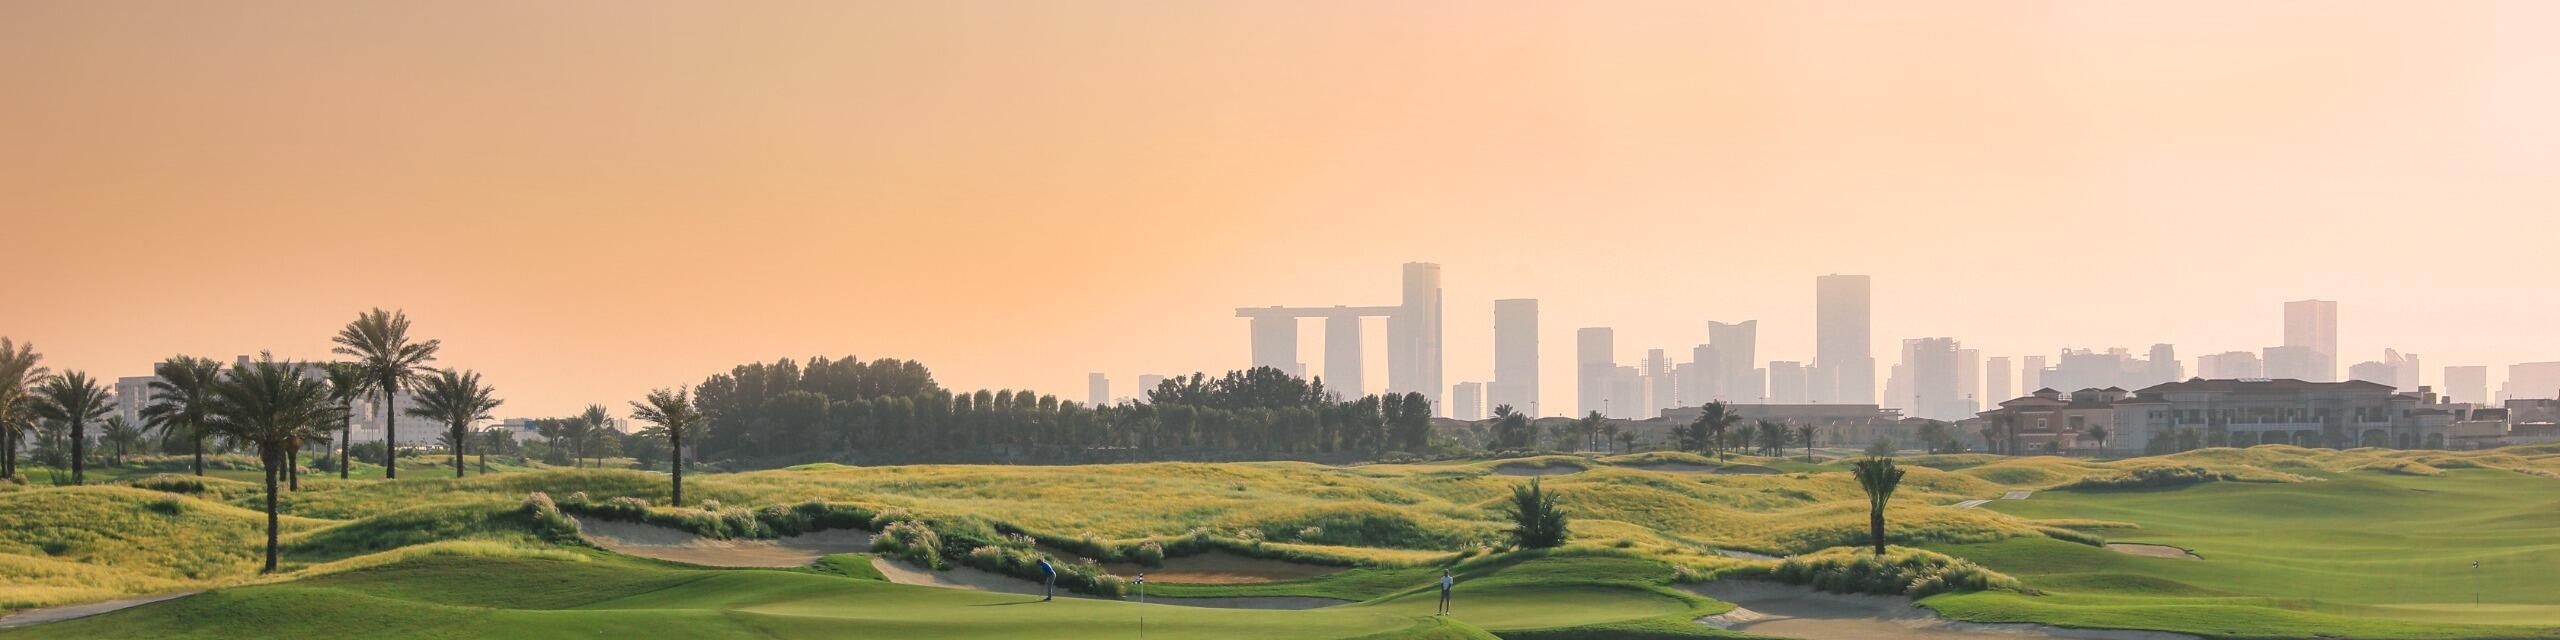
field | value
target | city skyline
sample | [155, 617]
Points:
[586, 217]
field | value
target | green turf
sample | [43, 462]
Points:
[2355, 554]
[463, 597]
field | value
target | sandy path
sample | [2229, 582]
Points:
[28, 617]
[2153, 550]
[1789, 611]
[652, 541]
[1529, 471]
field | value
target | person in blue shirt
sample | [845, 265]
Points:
[1447, 582]
[1049, 581]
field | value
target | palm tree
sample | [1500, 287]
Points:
[347, 384]
[1879, 477]
[379, 340]
[1536, 522]
[494, 438]
[75, 400]
[671, 415]
[596, 423]
[458, 399]
[2099, 433]
[1713, 420]
[1589, 427]
[1805, 432]
[181, 391]
[124, 435]
[1773, 437]
[19, 373]
[270, 404]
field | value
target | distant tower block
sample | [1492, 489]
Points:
[1342, 357]
[1275, 342]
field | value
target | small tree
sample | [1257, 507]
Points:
[1536, 522]
[1879, 478]
[2098, 433]
[1805, 432]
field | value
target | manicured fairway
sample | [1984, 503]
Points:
[605, 596]
[2357, 553]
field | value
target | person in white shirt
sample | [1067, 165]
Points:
[1446, 583]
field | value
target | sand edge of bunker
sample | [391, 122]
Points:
[2153, 550]
[673, 545]
[1793, 611]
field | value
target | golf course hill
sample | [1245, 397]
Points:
[2271, 541]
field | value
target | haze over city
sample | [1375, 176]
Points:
[585, 207]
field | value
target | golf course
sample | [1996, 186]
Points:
[2265, 542]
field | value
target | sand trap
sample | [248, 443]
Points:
[1675, 467]
[1968, 504]
[1275, 603]
[1744, 469]
[1526, 470]
[652, 541]
[1746, 555]
[2016, 495]
[28, 617]
[1212, 567]
[960, 577]
[2153, 550]
[1772, 609]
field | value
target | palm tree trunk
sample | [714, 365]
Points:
[675, 440]
[457, 452]
[390, 435]
[346, 436]
[1875, 527]
[271, 513]
[79, 451]
[8, 453]
[293, 466]
[199, 453]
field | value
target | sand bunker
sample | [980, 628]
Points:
[1675, 467]
[1526, 470]
[1746, 555]
[2016, 495]
[29, 617]
[2153, 550]
[652, 541]
[1744, 469]
[1772, 609]
[1276, 603]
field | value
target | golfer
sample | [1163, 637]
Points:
[1049, 581]
[1446, 583]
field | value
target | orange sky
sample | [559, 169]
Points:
[588, 199]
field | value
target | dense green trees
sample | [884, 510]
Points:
[379, 341]
[892, 411]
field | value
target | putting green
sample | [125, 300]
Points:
[2356, 554]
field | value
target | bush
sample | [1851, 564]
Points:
[911, 540]
[1536, 522]
[2151, 478]
[1901, 571]
[548, 521]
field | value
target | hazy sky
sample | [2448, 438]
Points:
[585, 200]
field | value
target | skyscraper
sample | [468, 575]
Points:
[2527, 380]
[1787, 382]
[1466, 401]
[1658, 382]
[1931, 369]
[2230, 365]
[1996, 378]
[2467, 384]
[1515, 355]
[1413, 335]
[1843, 346]
[1275, 344]
[1595, 368]
[2313, 324]
[1969, 380]
[1342, 361]
[1738, 376]
[2030, 374]
[1147, 383]
[1097, 389]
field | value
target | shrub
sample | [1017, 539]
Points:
[1149, 553]
[911, 540]
[1536, 522]
[1900, 571]
[2151, 478]
[548, 521]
